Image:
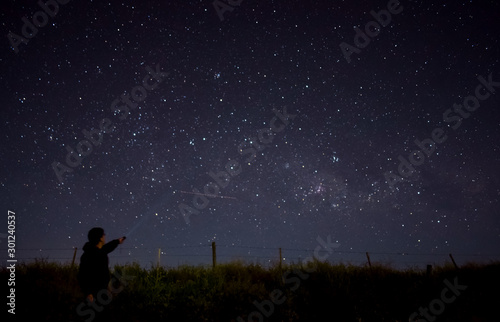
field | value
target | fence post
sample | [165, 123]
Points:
[368, 257]
[74, 256]
[429, 270]
[214, 255]
[456, 266]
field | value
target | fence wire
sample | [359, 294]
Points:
[202, 255]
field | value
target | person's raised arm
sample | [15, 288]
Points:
[109, 247]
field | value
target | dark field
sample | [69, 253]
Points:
[242, 292]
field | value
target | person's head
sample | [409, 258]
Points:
[96, 236]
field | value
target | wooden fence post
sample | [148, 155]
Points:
[369, 262]
[214, 255]
[429, 270]
[74, 256]
[456, 266]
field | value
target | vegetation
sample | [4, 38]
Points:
[318, 292]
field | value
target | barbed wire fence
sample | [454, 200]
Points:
[212, 254]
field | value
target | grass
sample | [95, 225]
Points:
[314, 293]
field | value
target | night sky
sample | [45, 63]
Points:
[124, 116]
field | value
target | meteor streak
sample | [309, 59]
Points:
[206, 194]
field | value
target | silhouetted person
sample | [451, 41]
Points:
[94, 275]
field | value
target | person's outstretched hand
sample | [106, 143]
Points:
[122, 239]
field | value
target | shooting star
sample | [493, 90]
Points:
[206, 194]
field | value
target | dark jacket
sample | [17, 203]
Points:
[93, 275]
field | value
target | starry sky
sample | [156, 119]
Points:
[254, 124]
